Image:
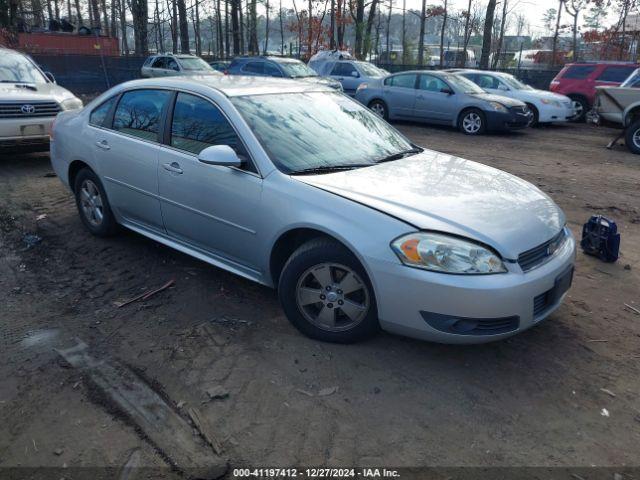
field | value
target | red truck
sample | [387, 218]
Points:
[578, 81]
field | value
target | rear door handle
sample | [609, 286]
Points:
[103, 144]
[172, 167]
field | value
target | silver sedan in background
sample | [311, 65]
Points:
[442, 98]
[301, 188]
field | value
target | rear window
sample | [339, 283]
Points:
[616, 73]
[405, 80]
[579, 71]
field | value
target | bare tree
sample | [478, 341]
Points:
[266, 28]
[442, 31]
[487, 34]
[184, 26]
[140, 15]
[554, 48]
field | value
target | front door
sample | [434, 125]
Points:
[433, 102]
[127, 154]
[212, 208]
[347, 75]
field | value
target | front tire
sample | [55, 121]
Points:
[581, 107]
[535, 119]
[93, 205]
[472, 122]
[326, 293]
[379, 108]
[632, 137]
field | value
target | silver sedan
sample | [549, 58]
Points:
[298, 187]
[443, 98]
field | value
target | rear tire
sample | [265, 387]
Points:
[472, 122]
[632, 137]
[326, 293]
[93, 205]
[379, 108]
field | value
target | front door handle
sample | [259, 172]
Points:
[173, 167]
[103, 144]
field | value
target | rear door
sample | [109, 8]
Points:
[399, 92]
[253, 69]
[127, 153]
[431, 102]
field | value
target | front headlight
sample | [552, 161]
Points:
[498, 107]
[72, 104]
[550, 102]
[445, 253]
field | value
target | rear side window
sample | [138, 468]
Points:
[138, 113]
[254, 67]
[431, 84]
[198, 124]
[616, 73]
[99, 114]
[405, 80]
[578, 72]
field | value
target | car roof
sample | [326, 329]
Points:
[229, 85]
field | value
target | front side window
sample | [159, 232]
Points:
[487, 81]
[344, 69]
[616, 74]
[254, 67]
[271, 70]
[370, 70]
[160, 62]
[99, 114]
[405, 80]
[18, 68]
[579, 72]
[633, 81]
[172, 64]
[198, 124]
[431, 84]
[139, 113]
[462, 84]
[302, 131]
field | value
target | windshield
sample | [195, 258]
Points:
[462, 84]
[194, 64]
[302, 131]
[297, 70]
[18, 68]
[370, 70]
[633, 81]
[513, 83]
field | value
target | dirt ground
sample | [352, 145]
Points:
[565, 393]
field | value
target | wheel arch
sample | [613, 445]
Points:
[632, 113]
[290, 240]
[73, 170]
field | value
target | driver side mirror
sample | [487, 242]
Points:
[446, 90]
[222, 155]
[50, 76]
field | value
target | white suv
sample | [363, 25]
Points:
[29, 102]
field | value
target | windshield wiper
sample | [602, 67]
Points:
[16, 81]
[329, 169]
[399, 155]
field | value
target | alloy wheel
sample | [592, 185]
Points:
[378, 109]
[636, 138]
[91, 203]
[332, 297]
[472, 123]
[578, 108]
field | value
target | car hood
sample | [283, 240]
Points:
[435, 191]
[506, 101]
[543, 94]
[32, 92]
